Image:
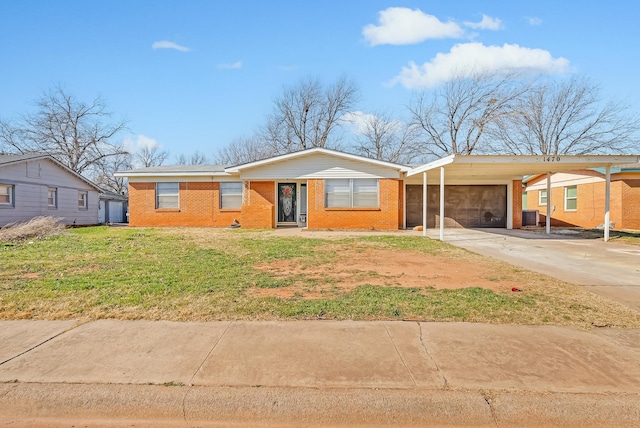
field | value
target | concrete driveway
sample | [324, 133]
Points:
[609, 269]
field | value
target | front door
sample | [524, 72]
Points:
[286, 202]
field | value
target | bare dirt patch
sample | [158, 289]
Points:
[31, 275]
[362, 265]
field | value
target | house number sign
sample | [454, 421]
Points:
[551, 159]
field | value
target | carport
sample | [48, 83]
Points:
[507, 170]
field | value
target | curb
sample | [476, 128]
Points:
[106, 405]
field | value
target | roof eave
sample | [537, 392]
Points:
[126, 174]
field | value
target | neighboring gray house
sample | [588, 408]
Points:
[37, 185]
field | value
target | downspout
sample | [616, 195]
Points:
[607, 203]
[548, 222]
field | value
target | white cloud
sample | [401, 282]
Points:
[533, 21]
[134, 143]
[360, 123]
[358, 120]
[403, 26]
[235, 65]
[169, 45]
[470, 57]
[487, 23]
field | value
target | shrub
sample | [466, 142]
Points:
[36, 228]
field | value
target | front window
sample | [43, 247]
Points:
[167, 195]
[83, 202]
[351, 193]
[571, 198]
[542, 197]
[231, 195]
[52, 197]
[6, 195]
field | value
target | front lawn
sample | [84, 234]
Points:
[223, 274]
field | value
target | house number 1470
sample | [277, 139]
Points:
[551, 159]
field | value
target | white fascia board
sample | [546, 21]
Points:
[239, 168]
[432, 165]
[596, 160]
[126, 174]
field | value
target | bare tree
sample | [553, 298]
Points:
[566, 117]
[151, 156]
[384, 138]
[76, 133]
[103, 173]
[455, 118]
[305, 115]
[196, 158]
[243, 150]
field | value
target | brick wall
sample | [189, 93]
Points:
[385, 217]
[400, 204]
[591, 202]
[630, 205]
[258, 207]
[199, 206]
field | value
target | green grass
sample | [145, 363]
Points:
[626, 237]
[212, 274]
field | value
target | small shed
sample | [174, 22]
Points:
[113, 208]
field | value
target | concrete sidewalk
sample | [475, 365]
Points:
[316, 373]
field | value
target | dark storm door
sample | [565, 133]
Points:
[287, 202]
[414, 205]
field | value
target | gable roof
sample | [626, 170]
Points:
[317, 150]
[6, 160]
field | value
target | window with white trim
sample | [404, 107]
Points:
[52, 197]
[542, 197]
[351, 193]
[571, 198]
[83, 200]
[167, 195]
[231, 195]
[6, 195]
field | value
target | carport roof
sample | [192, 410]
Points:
[514, 167]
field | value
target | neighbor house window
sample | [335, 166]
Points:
[6, 195]
[83, 202]
[351, 193]
[231, 195]
[168, 195]
[571, 198]
[52, 197]
[542, 197]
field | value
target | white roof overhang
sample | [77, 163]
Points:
[131, 174]
[508, 167]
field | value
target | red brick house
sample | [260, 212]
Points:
[578, 197]
[315, 188]
[320, 188]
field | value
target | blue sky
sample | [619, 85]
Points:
[194, 75]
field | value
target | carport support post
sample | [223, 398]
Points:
[442, 203]
[548, 222]
[607, 200]
[424, 203]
